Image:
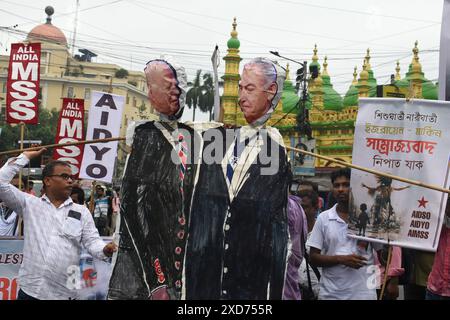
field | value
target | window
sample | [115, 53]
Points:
[70, 92]
[87, 94]
[4, 87]
[134, 102]
[128, 99]
[45, 61]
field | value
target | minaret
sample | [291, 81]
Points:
[415, 73]
[367, 58]
[355, 76]
[397, 71]
[315, 85]
[325, 66]
[363, 82]
[231, 78]
[371, 80]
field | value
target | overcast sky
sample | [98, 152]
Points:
[131, 32]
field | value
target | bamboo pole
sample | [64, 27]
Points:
[386, 271]
[91, 202]
[57, 145]
[22, 134]
[379, 173]
[346, 164]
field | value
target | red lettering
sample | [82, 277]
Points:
[4, 288]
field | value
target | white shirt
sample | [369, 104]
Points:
[52, 239]
[341, 282]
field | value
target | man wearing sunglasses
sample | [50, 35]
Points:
[55, 230]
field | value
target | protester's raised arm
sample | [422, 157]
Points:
[10, 195]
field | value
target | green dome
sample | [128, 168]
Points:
[289, 98]
[429, 89]
[332, 100]
[233, 43]
[351, 97]
[403, 83]
[372, 84]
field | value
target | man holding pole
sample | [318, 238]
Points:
[55, 230]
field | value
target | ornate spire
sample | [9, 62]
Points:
[234, 32]
[234, 42]
[315, 58]
[355, 76]
[397, 71]
[364, 75]
[367, 58]
[416, 51]
[325, 65]
[416, 67]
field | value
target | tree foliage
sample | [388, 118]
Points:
[201, 93]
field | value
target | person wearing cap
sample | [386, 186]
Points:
[237, 246]
[156, 193]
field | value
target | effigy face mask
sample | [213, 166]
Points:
[166, 83]
[260, 90]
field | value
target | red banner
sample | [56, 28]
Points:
[70, 129]
[23, 83]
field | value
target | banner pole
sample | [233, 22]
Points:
[378, 173]
[343, 163]
[62, 145]
[91, 202]
[386, 271]
[22, 133]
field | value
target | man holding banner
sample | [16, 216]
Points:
[55, 230]
[347, 264]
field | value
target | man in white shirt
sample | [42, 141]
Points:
[347, 264]
[55, 230]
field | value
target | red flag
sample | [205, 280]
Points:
[23, 83]
[70, 129]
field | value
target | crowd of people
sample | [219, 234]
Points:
[334, 266]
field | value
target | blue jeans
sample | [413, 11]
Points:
[432, 296]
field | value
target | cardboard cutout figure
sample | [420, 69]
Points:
[157, 191]
[237, 243]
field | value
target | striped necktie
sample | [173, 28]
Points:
[237, 151]
[182, 153]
